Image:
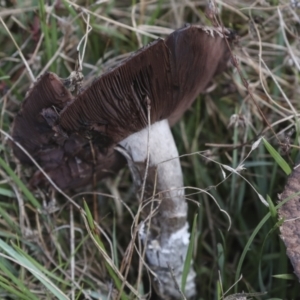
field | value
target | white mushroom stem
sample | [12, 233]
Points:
[168, 236]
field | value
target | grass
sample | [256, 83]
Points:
[52, 253]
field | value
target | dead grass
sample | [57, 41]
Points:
[47, 251]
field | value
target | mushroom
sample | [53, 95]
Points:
[153, 86]
[72, 160]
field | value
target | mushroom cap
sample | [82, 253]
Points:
[170, 73]
[73, 138]
[197, 54]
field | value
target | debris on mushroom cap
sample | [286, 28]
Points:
[170, 72]
[290, 229]
[68, 160]
[31, 129]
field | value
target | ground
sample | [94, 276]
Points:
[258, 95]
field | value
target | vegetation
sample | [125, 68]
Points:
[50, 249]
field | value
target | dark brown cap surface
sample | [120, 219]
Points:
[73, 138]
[170, 73]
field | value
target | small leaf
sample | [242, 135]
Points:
[7, 193]
[223, 173]
[278, 158]
[228, 168]
[221, 256]
[285, 276]
[272, 208]
[256, 144]
[93, 228]
[263, 200]
[89, 216]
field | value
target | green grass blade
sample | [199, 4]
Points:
[23, 261]
[46, 31]
[277, 157]
[272, 208]
[97, 239]
[9, 288]
[189, 255]
[20, 184]
[285, 276]
[247, 248]
[7, 193]
[18, 288]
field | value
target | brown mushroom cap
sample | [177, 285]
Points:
[171, 73]
[197, 57]
[115, 105]
[74, 138]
